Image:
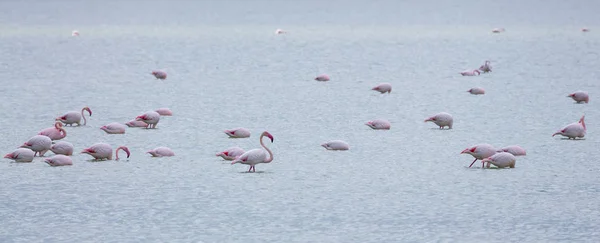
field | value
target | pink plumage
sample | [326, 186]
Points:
[574, 130]
[158, 74]
[150, 117]
[54, 133]
[442, 120]
[62, 147]
[231, 153]
[21, 155]
[101, 151]
[322, 78]
[470, 73]
[383, 88]
[480, 151]
[239, 132]
[336, 145]
[161, 152]
[256, 156]
[164, 111]
[379, 124]
[74, 117]
[515, 150]
[59, 160]
[114, 128]
[136, 123]
[476, 91]
[580, 97]
[501, 160]
[39, 144]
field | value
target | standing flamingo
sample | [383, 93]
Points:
[21, 155]
[470, 73]
[442, 119]
[256, 156]
[379, 124]
[231, 153]
[486, 67]
[574, 130]
[150, 117]
[480, 151]
[501, 160]
[515, 150]
[239, 132]
[322, 77]
[114, 128]
[161, 152]
[164, 112]
[383, 88]
[336, 145]
[59, 160]
[136, 123]
[54, 133]
[72, 117]
[102, 151]
[158, 74]
[39, 144]
[62, 147]
[580, 96]
[476, 91]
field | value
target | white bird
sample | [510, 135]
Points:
[239, 132]
[498, 30]
[164, 111]
[280, 31]
[322, 77]
[480, 151]
[21, 155]
[161, 152]
[470, 73]
[580, 97]
[75, 33]
[231, 153]
[379, 124]
[102, 151]
[150, 117]
[59, 160]
[476, 91]
[336, 145]
[39, 144]
[74, 117]
[114, 128]
[501, 160]
[62, 147]
[256, 156]
[574, 130]
[515, 150]
[442, 120]
[136, 123]
[383, 88]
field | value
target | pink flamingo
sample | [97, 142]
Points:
[585, 30]
[474, 72]
[72, 117]
[158, 74]
[114, 128]
[480, 151]
[486, 67]
[161, 152]
[59, 160]
[39, 144]
[231, 153]
[336, 145]
[256, 156]
[501, 160]
[515, 150]
[574, 130]
[54, 133]
[164, 112]
[379, 124]
[580, 96]
[75, 33]
[239, 132]
[280, 31]
[476, 91]
[21, 155]
[135, 123]
[498, 30]
[383, 88]
[150, 117]
[322, 77]
[102, 151]
[62, 147]
[442, 119]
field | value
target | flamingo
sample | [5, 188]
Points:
[75, 33]
[383, 88]
[585, 30]
[59, 160]
[150, 117]
[515, 150]
[161, 152]
[322, 77]
[39, 144]
[256, 156]
[441, 119]
[574, 130]
[158, 74]
[580, 96]
[379, 124]
[498, 30]
[336, 145]
[486, 67]
[239, 132]
[474, 72]
[164, 112]
[21, 155]
[231, 153]
[136, 123]
[72, 117]
[102, 151]
[501, 160]
[54, 133]
[114, 128]
[480, 151]
[476, 91]
[62, 147]
[280, 31]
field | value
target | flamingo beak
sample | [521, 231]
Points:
[127, 151]
[465, 151]
[8, 156]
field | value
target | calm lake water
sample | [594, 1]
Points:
[228, 69]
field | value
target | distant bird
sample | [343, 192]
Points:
[21, 155]
[442, 120]
[101, 151]
[574, 130]
[470, 72]
[62, 147]
[322, 77]
[114, 128]
[73, 117]
[256, 156]
[54, 133]
[39, 144]
[336, 145]
[59, 160]
[476, 91]
[239, 132]
[585, 30]
[501, 160]
[486, 67]
[150, 117]
[480, 152]
[580, 96]
[383, 88]
[136, 123]
[161, 152]
[231, 153]
[379, 124]
[164, 112]
[75, 33]
[498, 30]
[159, 74]
[280, 31]
[515, 150]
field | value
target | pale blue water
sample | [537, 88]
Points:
[228, 69]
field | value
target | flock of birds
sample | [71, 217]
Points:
[47, 139]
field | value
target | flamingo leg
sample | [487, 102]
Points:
[473, 163]
[253, 169]
[249, 169]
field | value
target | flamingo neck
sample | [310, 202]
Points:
[117, 153]
[268, 150]
[84, 120]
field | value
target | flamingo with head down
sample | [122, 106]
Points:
[336, 145]
[470, 72]
[239, 132]
[442, 120]
[322, 78]
[39, 144]
[480, 152]
[164, 112]
[515, 150]
[574, 130]
[379, 124]
[21, 155]
[161, 152]
[231, 153]
[580, 97]
[114, 128]
[62, 147]
[101, 151]
[383, 88]
[476, 91]
[158, 74]
[150, 117]
[136, 123]
[59, 160]
[256, 156]
[501, 160]
[54, 133]
[486, 67]
[74, 117]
